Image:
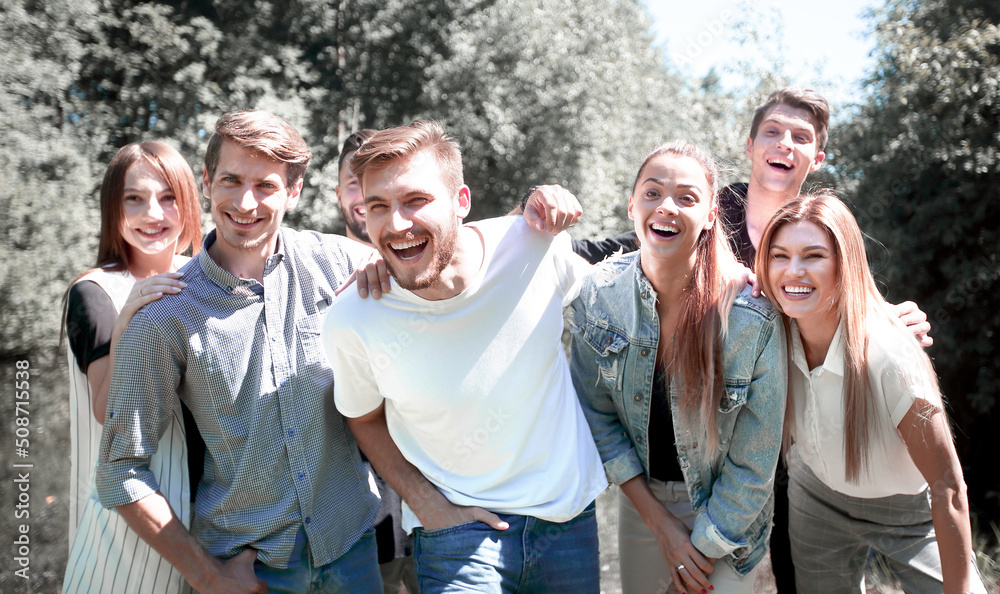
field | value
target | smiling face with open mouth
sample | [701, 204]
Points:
[671, 205]
[803, 271]
[413, 218]
[151, 222]
[784, 151]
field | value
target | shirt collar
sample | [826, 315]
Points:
[229, 281]
[645, 287]
[834, 361]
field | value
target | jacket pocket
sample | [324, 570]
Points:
[609, 346]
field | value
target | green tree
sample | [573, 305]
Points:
[922, 162]
[554, 91]
[48, 215]
[535, 91]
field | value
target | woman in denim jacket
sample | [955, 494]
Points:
[682, 378]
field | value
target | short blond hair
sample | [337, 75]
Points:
[402, 142]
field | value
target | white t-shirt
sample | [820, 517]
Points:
[896, 380]
[477, 388]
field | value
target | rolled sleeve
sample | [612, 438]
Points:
[141, 400]
[621, 461]
[746, 480]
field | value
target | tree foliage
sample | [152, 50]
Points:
[922, 161]
[47, 214]
[535, 91]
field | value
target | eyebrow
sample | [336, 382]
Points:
[660, 182]
[792, 123]
[775, 246]
[409, 194]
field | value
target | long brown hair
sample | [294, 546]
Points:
[858, 303]
[112, 249]
[702, 323]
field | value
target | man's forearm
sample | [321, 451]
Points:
[155, 522]
[420, 494]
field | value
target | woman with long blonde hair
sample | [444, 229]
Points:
[872, 462]
[682, 378]
[149, 216]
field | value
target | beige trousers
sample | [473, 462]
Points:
[643, 568]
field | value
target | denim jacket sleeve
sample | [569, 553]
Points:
[737, 509]
[591, 380]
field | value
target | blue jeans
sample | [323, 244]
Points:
[531, 555]
[354, 571]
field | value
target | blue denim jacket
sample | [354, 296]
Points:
[613, 354]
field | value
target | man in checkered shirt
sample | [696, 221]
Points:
[285, 502]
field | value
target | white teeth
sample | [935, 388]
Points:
[778, 161]
[799, 290]
[666, 227]
[151, 232]
[243, 221]
[407, 244]
[360, 210]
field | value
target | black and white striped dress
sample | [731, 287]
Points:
[105, 554]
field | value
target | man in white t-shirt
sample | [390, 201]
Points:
[456, 385]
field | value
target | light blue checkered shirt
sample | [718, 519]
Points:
[246, 358]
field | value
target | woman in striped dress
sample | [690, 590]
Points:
[149, 216]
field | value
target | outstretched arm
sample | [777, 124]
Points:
[430, 506]
[925, 432]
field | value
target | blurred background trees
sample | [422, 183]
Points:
[536, 91]
[920, 162]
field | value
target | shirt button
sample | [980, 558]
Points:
[644, 352]
[637, 398]
[291, 433]
[638, 439]
[308, 519]
[645, 295]
[302, 475]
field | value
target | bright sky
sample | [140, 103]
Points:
[825, 43]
